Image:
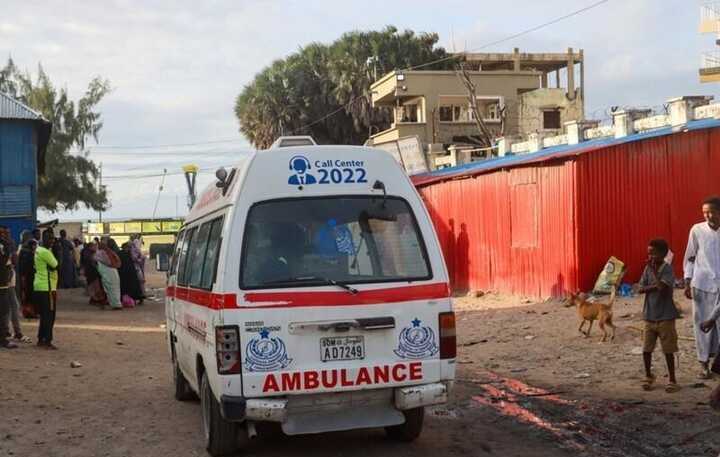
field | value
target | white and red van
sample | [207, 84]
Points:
[308, 289]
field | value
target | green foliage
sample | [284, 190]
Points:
[319, 79]
[70, 179]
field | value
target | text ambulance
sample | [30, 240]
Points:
[307, 288]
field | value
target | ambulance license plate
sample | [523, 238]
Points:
[342, 348]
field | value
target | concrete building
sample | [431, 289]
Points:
[24, 136]
[710, 24]
[517, 94]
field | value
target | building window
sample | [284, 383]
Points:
[408, 113]
[551, 119]
[458, 109]
[493, 111]
[446, 114]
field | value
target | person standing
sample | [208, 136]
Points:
[138, 259]
[66, 249]
[77, 249]
[26, 275]
[6, 239]
[5, 289]
[5, 303]
[45, 289]
[130, 289]
[107, 264]
[92, 275]
[702, 281]
[659, 313]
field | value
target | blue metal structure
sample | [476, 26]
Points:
[24, 135]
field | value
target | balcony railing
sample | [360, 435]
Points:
[710, 17]
[710, 60]
[710, 67]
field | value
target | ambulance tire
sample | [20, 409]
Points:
[411, 429]
[221, 436]
[183, 391]
[270, 430]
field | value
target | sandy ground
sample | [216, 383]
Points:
[597, 384]
[528, 385]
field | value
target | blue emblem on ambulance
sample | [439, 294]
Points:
[299, 166]
[416, 341]
[265, 353]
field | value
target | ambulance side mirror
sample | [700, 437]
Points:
[221, 175]
[223, 179]
[379, 185]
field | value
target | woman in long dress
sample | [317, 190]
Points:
[129, 281]
[92, 275]
[107, 264]
[138, 258]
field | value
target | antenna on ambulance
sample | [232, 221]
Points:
[190, 175]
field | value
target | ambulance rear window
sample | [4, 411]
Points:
[352, 240]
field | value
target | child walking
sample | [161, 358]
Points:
[659, 313]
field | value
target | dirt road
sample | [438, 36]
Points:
[119, 402]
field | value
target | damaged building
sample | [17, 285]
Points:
[517, 94]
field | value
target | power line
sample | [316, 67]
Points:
[512, 37]
[175, 145]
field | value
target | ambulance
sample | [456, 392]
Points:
[307, 290]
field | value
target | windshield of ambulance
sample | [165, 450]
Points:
[349, 240]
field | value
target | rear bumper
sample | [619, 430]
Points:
[424, 395]
[280, 410]
[238, 409]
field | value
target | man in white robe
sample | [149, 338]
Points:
[702, 281]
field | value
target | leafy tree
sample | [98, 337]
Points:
[70, 178]
[323, 90]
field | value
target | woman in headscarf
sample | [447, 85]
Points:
[92, 275]
[130, 289]
[26, 274]
[107, 264]
[138, 259]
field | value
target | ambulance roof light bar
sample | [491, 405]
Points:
[290, 141]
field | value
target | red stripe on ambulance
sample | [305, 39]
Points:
[330, 379]
[342, 298]
[219, 301]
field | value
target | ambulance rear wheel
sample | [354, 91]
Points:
[411, 429]
[221, 436]
[183, 391]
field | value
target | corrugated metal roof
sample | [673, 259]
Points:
[13, 109]
[552, 153]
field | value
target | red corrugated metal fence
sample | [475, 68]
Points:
[548, 228]
[508, 230]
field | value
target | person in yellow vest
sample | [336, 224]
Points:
[45, 289]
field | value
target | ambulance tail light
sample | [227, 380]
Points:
[448, 343]
[227, 348]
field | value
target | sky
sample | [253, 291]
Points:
[176, 66]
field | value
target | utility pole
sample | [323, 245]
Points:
[100, 187]
[157, 199]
